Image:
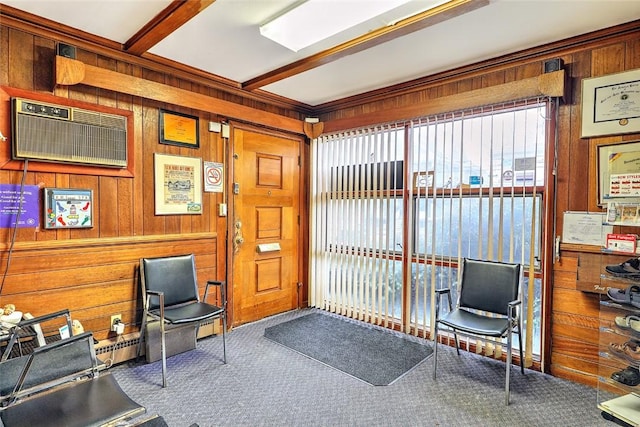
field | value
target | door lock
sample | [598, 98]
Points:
[237, 236]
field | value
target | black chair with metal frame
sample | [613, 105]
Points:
[170, 295]
[488, 308]
[30, 328]
[60, 384]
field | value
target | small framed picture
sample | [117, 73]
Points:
[178, 184]
[68, 208]
[179, 129]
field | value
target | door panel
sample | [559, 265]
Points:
[266, 230]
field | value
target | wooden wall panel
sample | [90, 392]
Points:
[95, 278]
[125, 217]
[94, 271]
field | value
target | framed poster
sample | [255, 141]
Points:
[68, 208]
[178, 184]
[178, 129]
[611, 104]
[618, 172]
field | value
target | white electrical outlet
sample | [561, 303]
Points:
[116, 319]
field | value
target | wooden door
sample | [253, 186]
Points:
[265, 225]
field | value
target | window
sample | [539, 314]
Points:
[390, 224]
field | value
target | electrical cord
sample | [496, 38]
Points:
[109, 362]
[15, 227]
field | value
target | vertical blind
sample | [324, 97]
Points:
[396, 207]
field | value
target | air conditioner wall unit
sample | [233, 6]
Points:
[55, 133]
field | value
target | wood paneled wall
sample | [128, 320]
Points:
[572, 315]
[94, 272]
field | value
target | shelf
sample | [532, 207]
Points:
[625, 408]
[619, 306]
[616, 400]
[611, 252]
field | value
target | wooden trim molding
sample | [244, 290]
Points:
[549, 84]
[313, 130]
[107, 242]
[70, 72]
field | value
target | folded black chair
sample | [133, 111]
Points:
[170, 295]
[59, 384]
[31, 328]
[488, 306]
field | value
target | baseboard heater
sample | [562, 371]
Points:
[56, 133]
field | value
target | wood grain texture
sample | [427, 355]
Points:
[56, 266]
[95, 278]
[495, 91]
[100, 78]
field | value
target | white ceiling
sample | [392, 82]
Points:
[224, 38]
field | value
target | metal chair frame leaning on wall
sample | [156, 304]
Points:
[170, 295]
[488, 306]
[31, 328]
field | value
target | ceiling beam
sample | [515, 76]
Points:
[164, 23]
[69, 72]
[417, 22]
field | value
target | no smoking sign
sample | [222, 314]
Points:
[213, 177]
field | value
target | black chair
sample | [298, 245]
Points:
[488, 306]
[170, 295]
[59, 385]
[29, 328]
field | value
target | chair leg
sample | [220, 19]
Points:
[224, 343]
[520, 345]
[455, 337]
[164, 355]
[435, 349]
[508, 369]
[142, 338]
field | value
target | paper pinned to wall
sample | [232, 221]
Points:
[585, 228]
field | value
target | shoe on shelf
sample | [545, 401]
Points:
[628, 376]
[630, 295]
[628, 323]
[629, 351]
[629, 269]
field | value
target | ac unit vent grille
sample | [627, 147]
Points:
[99, 119]
[88, 137]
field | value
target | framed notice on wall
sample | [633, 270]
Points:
[68, 208]
[611, 104]
[179, 129]
[178, 184]
[618, 172]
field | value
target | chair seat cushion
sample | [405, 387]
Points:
[10, 371]
[473, 323]
[187, 313]
[91, 402]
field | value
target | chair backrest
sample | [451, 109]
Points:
[50, 365]
[489, 285]
[175, 276]
[33, 326]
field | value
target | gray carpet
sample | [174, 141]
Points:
[265, 384]
[374, 355]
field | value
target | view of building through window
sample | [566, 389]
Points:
[390, 225]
